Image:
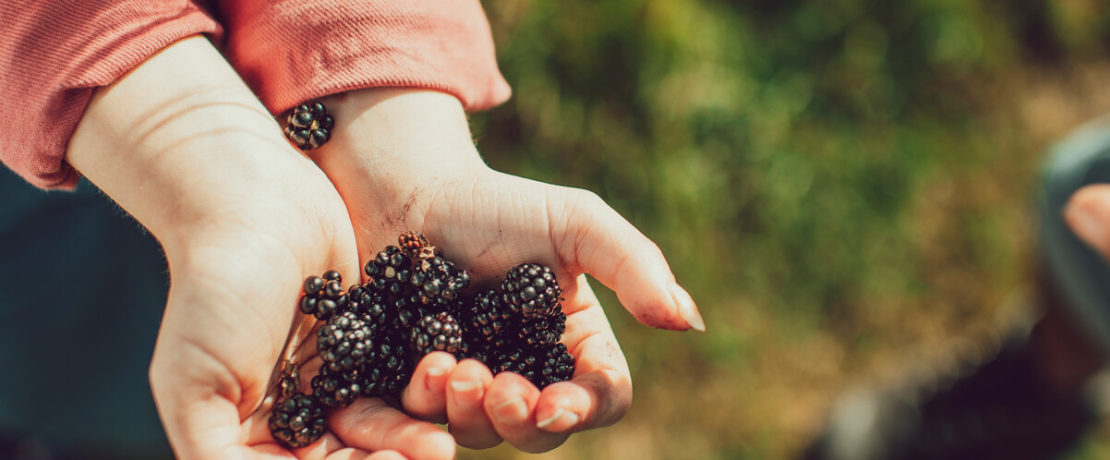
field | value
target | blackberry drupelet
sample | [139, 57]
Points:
[297, 420]
[337, 388]
[309, 125]
[531, 290]
[344, 342]
[440, 332]
[323, 296]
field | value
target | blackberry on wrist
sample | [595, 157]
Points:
[309, 125]
[297, 420]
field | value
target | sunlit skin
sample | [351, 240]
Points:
[404, 160]
[183, 146]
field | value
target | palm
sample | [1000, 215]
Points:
[491, 222]
[229, 313]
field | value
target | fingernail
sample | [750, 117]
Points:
[513, 410]
[687, 308]
[1085, 222]
[463, 386]
[432, 381]
[570, 417]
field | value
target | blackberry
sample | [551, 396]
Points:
[389, 271]
[344, 342]
[309, 125]
[373, 310]
[436, 333]
[337, 388]
[531, 290]
[390, 370]
[540, 331]
[297, 420]
[414, 245]
[323, 296]
[517, 360]
[486, 321]
[556, 364]
[438, 281]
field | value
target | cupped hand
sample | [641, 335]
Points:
[403, 160]
[182, 145]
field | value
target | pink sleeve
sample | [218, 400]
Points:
[290, 51]
[54, 53]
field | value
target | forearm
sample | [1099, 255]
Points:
[181, 144]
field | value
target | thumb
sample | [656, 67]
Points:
[595, 239]
[1088, 215]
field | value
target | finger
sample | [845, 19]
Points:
[372, 425]
[425, 396]
[1088, 215]
[600, 392]
[468, 422]
[592, 237]
[356, 454]
[509, 403]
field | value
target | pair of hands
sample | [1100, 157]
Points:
[244, 218]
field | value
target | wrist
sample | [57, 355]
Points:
[390, 144]
[187, 151]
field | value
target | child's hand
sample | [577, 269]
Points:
[403, 160]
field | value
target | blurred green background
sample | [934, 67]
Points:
[843, 186]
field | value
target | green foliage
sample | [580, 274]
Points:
[822, 167]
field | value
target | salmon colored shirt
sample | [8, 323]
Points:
[55, 53]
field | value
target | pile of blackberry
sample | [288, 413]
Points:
[415, 302]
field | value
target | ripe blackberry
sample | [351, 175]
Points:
[309, 125]
[414, 245]
[297, 420]
[531, 290]
[323, 296]
[390, 370]
[438, 332]
[486, 321]
[540, 331]
[517, 360]
[344, 342]
[556, 364]
[373, 309]
[438, 281]
[389, 272]
[337, 388]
